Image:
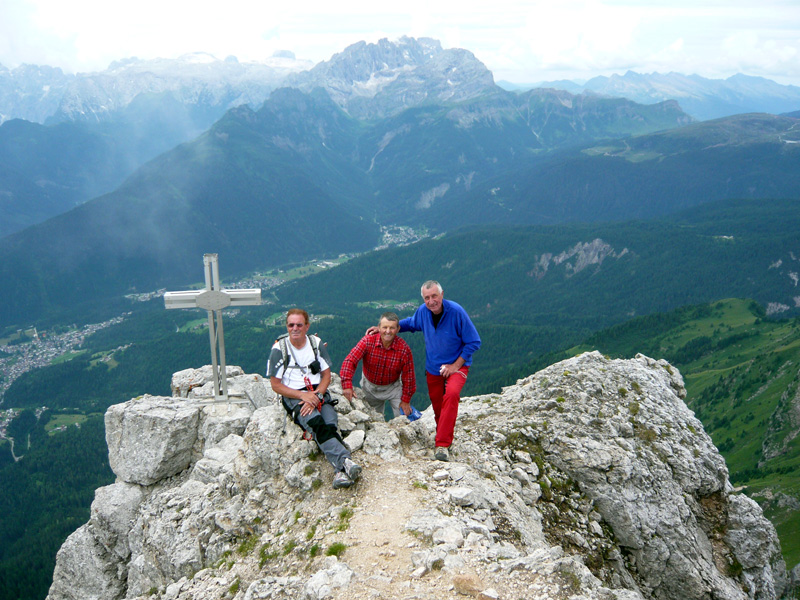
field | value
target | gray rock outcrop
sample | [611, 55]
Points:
[590, 479]
[385, 78]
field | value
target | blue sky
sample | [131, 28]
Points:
[520, 41]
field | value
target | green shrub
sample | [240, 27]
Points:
[288, 547]
[336, 549]
[234, 587]
[265, 555]
[248, 545]
[344, 519]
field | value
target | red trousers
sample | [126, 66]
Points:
[445, 395]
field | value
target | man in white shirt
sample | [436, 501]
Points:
[299, 370]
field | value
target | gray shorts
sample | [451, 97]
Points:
[377, 395]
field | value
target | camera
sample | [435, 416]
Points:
[314, 367]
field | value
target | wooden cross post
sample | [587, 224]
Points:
[214, 299]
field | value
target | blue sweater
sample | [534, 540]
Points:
[454, 336]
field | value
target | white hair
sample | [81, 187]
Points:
[429, 284]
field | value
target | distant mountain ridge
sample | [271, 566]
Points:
[48, 172]
[46, 94]
[700, 97]
[31, 92]
[366, 79]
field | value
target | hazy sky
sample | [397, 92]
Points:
[520, 41]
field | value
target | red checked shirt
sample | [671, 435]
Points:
[382, 366]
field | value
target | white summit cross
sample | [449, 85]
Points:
[213, 299]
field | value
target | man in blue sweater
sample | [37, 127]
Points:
[450, 341]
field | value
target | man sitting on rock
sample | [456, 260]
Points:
[388, 368]
[299, 371]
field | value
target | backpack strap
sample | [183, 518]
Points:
[283, 341]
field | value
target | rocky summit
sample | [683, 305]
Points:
[590, 479]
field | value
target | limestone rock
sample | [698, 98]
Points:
[590, 479]
[150, 438]
[218, 460]
[114, 510]
[321, 584]
[467, 585]
[272, 444]
[85, 570]
[184, 382]
[218, 421]
[355, 440]
[382, 441]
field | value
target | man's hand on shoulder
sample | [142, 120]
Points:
[371, 331]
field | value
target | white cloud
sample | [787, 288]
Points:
[521, 40]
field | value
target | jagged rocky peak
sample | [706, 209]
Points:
[361, 61]
[382, 79]
[31, 92]
[590, 479]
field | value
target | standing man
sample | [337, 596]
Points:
[388, 368]
[450, 341]
[299, 371]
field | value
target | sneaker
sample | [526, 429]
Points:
[441, 454]
[341, 480]
[352, 469]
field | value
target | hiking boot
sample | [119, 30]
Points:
[441, 454]
[341, 480]
[352, 469]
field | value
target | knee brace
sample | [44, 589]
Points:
[322, 430]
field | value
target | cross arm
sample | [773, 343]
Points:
[212, 299]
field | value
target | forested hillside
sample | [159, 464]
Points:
[45, 497]
[301, 165]
[583, 277]
[533, 292]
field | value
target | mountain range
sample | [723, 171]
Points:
[300, 179]
[102, 126]
[398, 73]
[44, 94]
[526, 197]
[700, 97]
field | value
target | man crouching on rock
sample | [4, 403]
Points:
[300, 372]
[388, 368]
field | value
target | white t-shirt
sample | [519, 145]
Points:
[293, 376]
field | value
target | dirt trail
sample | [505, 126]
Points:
[378, 548]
